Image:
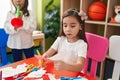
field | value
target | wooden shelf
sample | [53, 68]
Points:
[95, 22]
[98, 27]
[113, 24]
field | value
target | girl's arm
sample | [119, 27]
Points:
[53, 49]
[50, 52]
[30, 23]
[76, 67]
[7, 25]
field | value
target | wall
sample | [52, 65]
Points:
[4, 8]
[40, 18]
[41, 10]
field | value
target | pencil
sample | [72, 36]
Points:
[38, 52]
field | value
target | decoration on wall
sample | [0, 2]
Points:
[17, 21]
[97, 11]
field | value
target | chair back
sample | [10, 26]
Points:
[114, 53]
[3, 38]
[3, 44]
[114, 47]
[97, 49]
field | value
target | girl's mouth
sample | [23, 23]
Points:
[68, 34]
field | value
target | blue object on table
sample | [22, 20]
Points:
[19, 78]
[67, 78]
[3, 45]
[35, 69]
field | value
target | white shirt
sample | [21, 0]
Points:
[69, 52]
[22, 37]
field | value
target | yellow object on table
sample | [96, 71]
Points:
[40, 59]
[38, 52]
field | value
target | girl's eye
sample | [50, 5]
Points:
[64, 25]
[72, 26]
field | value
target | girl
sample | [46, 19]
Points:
[20, 39]
[71, 45]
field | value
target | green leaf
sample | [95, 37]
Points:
[52, 21]
[49, 4]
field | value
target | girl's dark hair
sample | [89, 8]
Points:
[25, 9]
[74, 13]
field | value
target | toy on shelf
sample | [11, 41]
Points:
[17, 21]
[97, 11]
[115, 19]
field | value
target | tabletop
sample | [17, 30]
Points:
[49, 68]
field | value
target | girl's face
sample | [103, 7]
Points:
[71, 27]
[19, 2]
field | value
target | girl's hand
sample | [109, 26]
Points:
[47, 62]
[45, 56]
[15, 29]
[21, 14]
[59, 65]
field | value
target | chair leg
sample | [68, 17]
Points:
[116, 71]
[4, 56]
[0, 75]
[86, 66]
[93, 68]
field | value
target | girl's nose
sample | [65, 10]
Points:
[68, 28]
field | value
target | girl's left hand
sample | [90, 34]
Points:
[59, 65]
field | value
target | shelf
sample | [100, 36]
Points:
[102, 28]
[108, 57]
[95, 22]
[113, 24]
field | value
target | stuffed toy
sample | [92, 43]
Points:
[116, 19]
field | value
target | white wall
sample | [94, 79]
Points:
[5, 7]
[32, 5]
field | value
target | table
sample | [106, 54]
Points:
[34, 61]
[37, 35]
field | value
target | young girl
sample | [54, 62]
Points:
[20, 39]
[70, 47]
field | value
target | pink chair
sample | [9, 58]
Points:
[97, 49]
[114, 53]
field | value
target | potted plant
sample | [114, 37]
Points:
[52, 20]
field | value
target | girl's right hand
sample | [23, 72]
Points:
[46, 62]
[21, 14]
[45, 56]
[45, 59]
